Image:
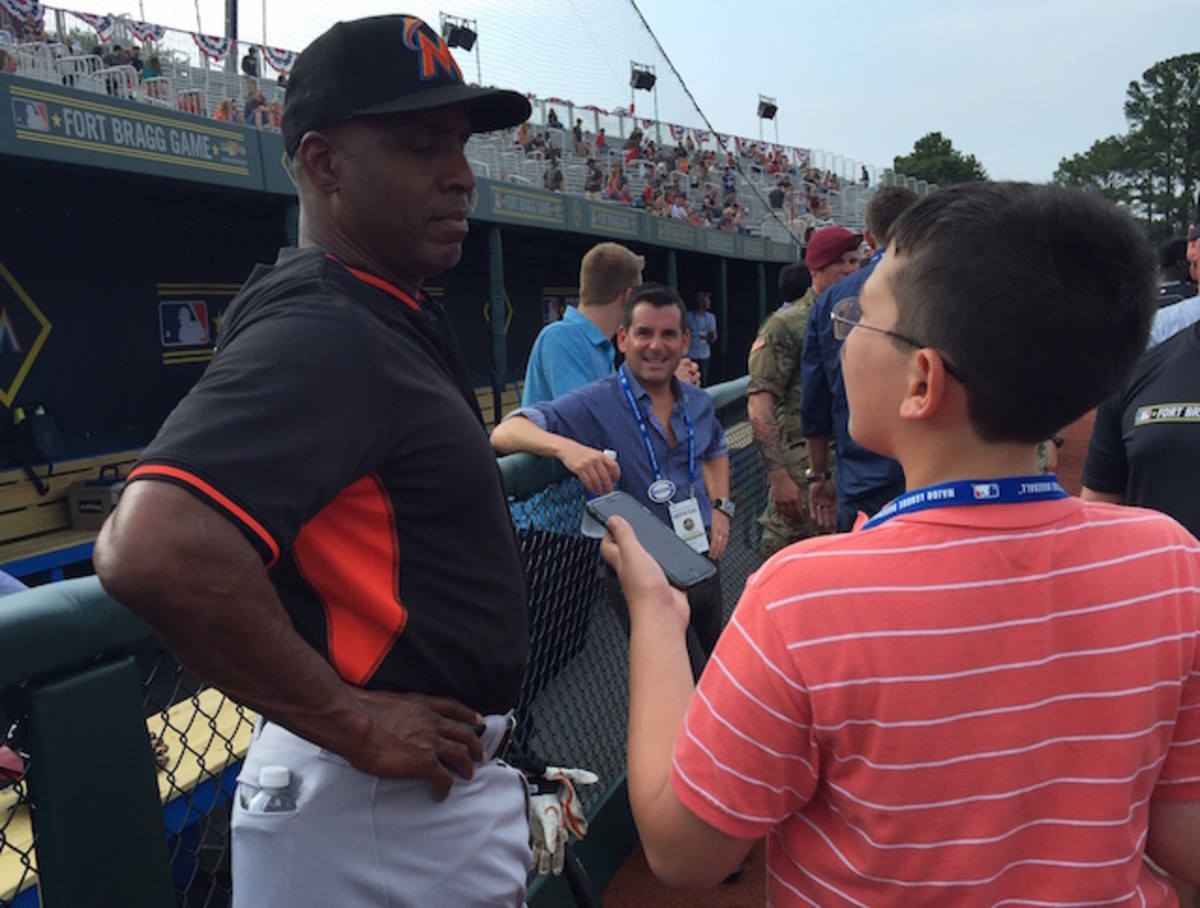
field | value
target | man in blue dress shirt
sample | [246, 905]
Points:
[671, 450]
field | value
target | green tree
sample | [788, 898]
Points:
[1155, 167]
[934, 159]
[1106, 167]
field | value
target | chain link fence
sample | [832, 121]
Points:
[572, 708]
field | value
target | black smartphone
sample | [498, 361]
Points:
[683, 565]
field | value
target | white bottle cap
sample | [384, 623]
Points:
[274, 777]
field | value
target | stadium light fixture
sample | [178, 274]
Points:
[462, 33]
[641, 76]
[458, 32]
[767, 108]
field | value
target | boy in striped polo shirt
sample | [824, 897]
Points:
[989, 693]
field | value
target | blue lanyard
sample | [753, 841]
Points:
[1008, 490]
[645, 432]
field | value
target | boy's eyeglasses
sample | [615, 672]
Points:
[846, 316]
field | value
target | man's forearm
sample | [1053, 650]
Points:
[818, 452]
[716, 477]
[760, 407]
[517, 433]
[203, 589]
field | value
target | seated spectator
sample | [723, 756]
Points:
[634, 142]
[552, 121]
[135, 60]
[256, 113]
[226, 112]
[617, 187]
[152, 69]
[679, 207]
[35, 29]
[601, 142]
[275, 116]
[710, 204]
[552, 179]
[538, 144]
[282, 80]
[593, 182]
[775, 197]
[523, 136]
[8, 61]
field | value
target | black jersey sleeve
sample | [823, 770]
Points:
[1106, 468]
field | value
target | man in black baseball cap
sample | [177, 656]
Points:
[383, 65]
[295, 531]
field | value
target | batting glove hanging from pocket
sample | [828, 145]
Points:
[555, 814]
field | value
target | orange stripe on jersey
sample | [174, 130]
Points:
[367, 278]
[153, 470]
[349, 554]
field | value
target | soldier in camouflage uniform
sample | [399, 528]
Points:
[774, 389]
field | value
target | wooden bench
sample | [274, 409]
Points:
[509, 401]
[36, 535]
[206, 738]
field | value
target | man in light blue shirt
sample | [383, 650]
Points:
[578, 350]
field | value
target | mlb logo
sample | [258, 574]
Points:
[184, 323]
[30, 115]
[1144, 414]
[985, 491]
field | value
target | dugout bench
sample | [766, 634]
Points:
[36, 536]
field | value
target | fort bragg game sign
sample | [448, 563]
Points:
[96, 130]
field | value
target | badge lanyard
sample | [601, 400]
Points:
[659, 479]
[1008, 490]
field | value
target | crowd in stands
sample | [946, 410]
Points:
[126, 72]
[683, 182]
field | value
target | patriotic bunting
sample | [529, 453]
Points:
[144, 31]
[281, 60]
[22, 8]
[105, 26]
[216, 49]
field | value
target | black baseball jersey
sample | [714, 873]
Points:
[1146, 441]
[337, 428]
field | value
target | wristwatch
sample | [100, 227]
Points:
[822, 476]
[726, 506]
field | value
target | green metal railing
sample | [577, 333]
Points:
[95, 822]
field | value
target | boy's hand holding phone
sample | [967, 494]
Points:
[641, 577]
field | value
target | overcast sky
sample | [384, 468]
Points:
[1018, 83]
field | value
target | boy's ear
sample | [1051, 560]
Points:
[925, 392]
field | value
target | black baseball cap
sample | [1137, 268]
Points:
[382, 65]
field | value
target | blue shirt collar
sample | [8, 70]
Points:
[572, 314]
